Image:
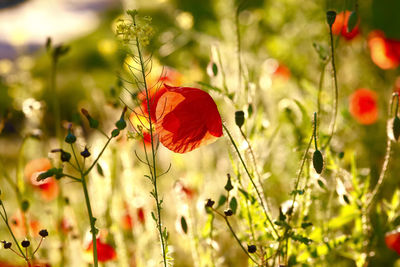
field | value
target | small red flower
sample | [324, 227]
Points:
[186, 119]
[282, 72]
[363, 106]
[339, 27]
[392, 240]
[105, 252]
[48, 187]
[140, 215]
[18, 224]
[385, 53]
[184, 191]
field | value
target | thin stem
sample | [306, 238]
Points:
[321, 81]
[303, 161]
[76, 159]
[387, 157]
[336, 98]
[98, 157]
[154, 172]
[91, 218]
[252, 181]
[5, 219]
[235, 236]
[40, 243]
[315, 131]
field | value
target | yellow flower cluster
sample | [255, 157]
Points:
[136, 30]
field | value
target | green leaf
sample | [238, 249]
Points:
[233, 204]
[184, 225]
[247, 195]
[352, 22]
[99, 169]
[221, 201]
[396, 128]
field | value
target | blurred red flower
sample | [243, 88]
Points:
[48, 187]
[18, 224]
[363, 106]
[282, 72]
[186, 119]
[339, 27]
[385, 53]
[184, 191]
[105, 252]
[392, 240]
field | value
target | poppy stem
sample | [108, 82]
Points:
[235, 236]
[252, 181]
[336, 98]
[153, 171]
[387, 157]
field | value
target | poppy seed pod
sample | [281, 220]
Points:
[318, 161]
[7, 245]
[70, 138]
[239, 118]
[330, 17]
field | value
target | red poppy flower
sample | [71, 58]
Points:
[385, 53]
[105, 252]
[140, 215]
[18, 224]
[392, 241]
[186, 119]
[48, 187]
[363, 106]
[339, 27]
[184, 191]
[282, 72]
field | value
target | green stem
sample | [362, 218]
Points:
[98, 157]
[251, 180]
[154, 171]
[91, 218]
[236, 237]
[336, 98]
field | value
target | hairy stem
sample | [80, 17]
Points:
[252, 181]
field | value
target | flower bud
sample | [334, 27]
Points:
[92, 122]
[7, 245]
[239, 118]
[70, 138]
[396, 128]
[65, 156]
[115, 133]
[318, 161]
[330, 17]
[85, 153]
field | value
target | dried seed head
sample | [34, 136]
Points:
[43, 233]
[25, 243]
[209, 203]
[251, 248]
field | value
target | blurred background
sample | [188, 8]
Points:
[272, 60]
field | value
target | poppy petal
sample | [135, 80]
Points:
[186, 119]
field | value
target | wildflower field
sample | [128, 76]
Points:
[205, 133]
